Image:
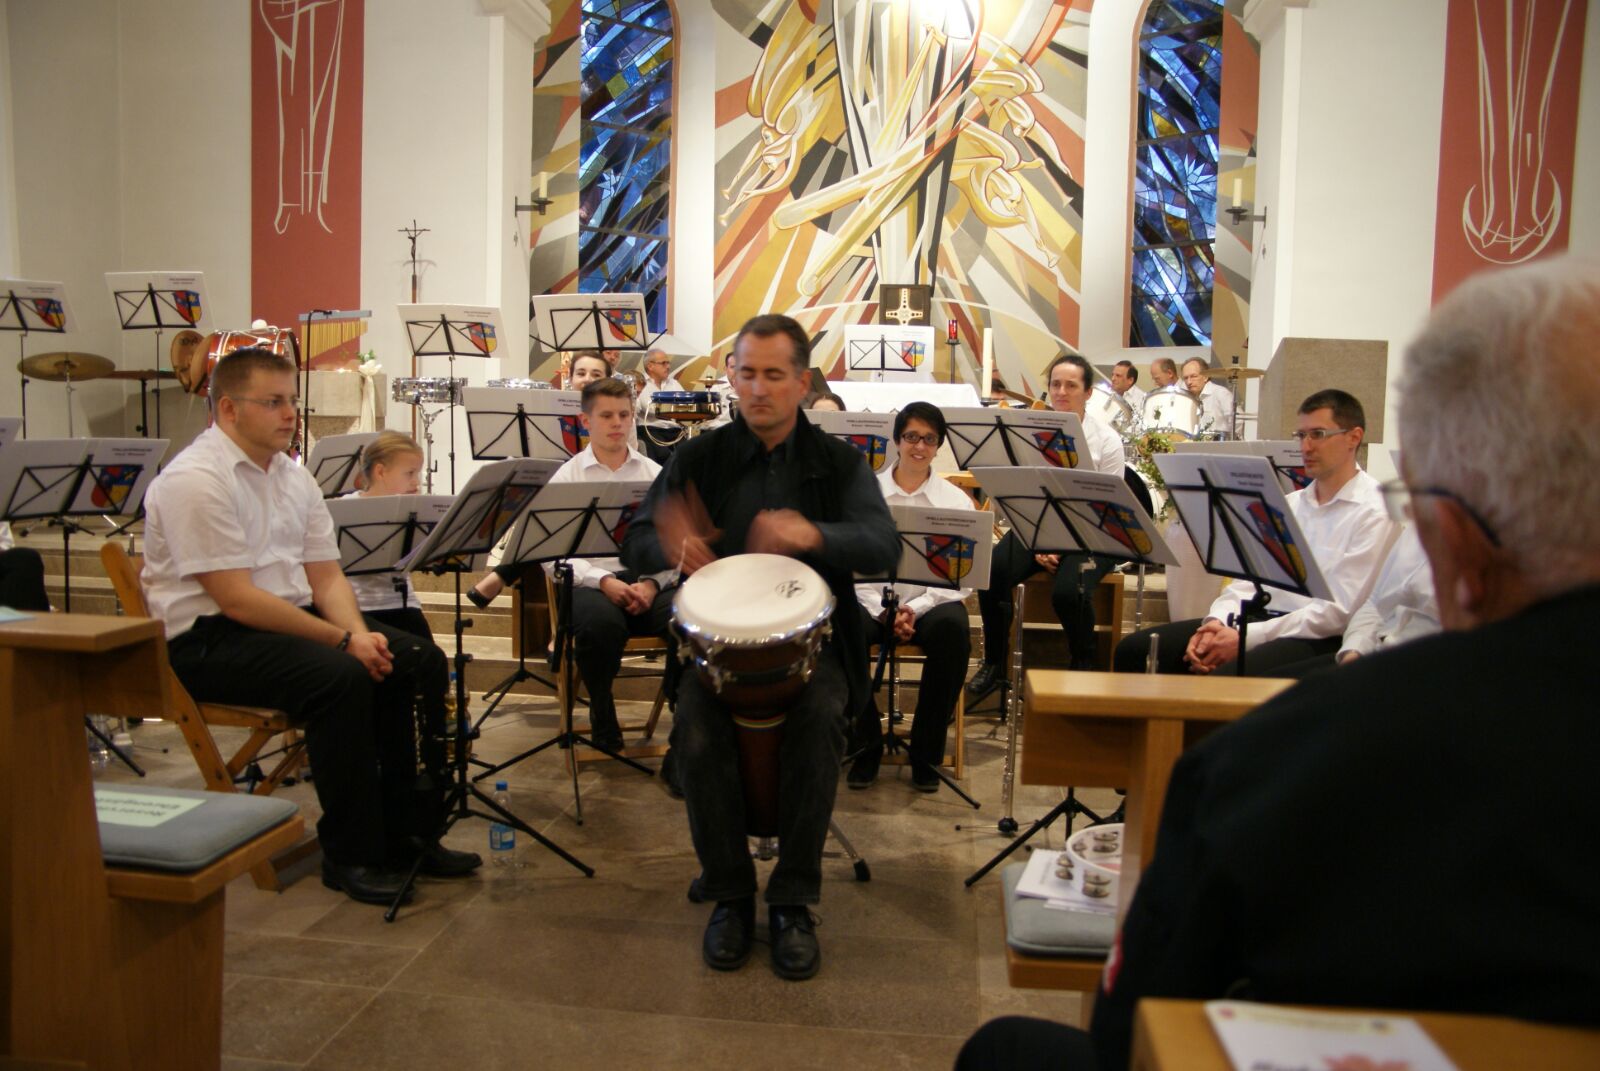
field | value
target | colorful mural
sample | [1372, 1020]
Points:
[916, 141]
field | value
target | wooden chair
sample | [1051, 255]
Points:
[636, 645]
[1107, 597]
[196, 719]
[955, 757]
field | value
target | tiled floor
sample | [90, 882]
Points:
[538, 966]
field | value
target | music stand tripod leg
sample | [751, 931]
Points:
[1069, 807]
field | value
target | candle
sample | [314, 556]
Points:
[1238, 190]
[987, 373]
[950, 331]
[544, 187]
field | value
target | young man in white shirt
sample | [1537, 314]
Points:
[1072, 595]
[1216, 401]
[242, 567]
[1348, 531]
[609, 603]
[934, 619]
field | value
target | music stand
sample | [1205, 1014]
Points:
[1061, 511]
[507, 422]
[476, 520]
[870, 433]
[590, 322]
[336, 462]
[29, 305]
[1240, 522]
[452, 331]
[989, 438]
[377, 533]
[581, 519]
[939, 548]
[884, 352]
[157, 301]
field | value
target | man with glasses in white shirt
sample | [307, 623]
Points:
[242, 567]
[934, 619]
[1348, 531]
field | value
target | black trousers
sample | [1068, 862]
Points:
[22, 580]
[944, 635]
[1022, 1043]
[1012, 564]
[601, 630]
[360, 733]
[1264, 660]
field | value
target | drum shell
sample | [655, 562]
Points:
[221, 343]
[755, 677]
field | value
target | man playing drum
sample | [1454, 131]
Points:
[242, 567]
[768, 482]
[1216, 401]
[1125, 381]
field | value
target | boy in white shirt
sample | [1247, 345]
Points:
[934, 619]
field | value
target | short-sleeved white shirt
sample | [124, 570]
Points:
[213, 509]
[1105, 447]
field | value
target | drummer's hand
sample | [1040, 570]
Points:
[685, 532]
[905, 625]
[620, 594]
[783, 531]
[1048, 561]
[371, 649]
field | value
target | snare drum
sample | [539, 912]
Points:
[684, 406]
[1110, 406]
[521, 384]
[752, 625]
[1172, 411]
[436, 391]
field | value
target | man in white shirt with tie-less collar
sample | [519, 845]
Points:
[1348, 531]
[934, 619]
[609, 604]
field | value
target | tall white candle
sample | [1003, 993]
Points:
[1238, 191]
[544, 187]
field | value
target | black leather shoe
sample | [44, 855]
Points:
[986, 680]
[441, 862]
[923, 778]
[478, 599]
[670, 775]
[864, 771]
[366, 884]
[606, 741]
[730, 933]
[795, 954]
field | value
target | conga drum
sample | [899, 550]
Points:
[752, 627]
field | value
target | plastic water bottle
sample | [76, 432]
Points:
[502, 838]
[99, 754]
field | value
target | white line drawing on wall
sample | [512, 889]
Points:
[308, 43]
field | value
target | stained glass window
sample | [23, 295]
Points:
[624, 167]
[1175, 173]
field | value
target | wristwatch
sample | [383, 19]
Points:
[344, 644]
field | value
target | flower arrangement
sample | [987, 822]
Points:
[1144, 447]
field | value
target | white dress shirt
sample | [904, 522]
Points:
[936, 492]
[1135, 397]
[1402, 605]
[1105, 447]
[1216, 408]
[584, 466]
[377, 591]
[1348, 537]
[6, 542]
[213, 509]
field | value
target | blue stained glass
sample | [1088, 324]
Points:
[1175, 173]
[626, 71]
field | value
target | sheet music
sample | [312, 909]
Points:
[38, 477]
[336, 461]
[870, 433]
[567, 321]
[887, 353]
[941, 548]
[549, 523]
[373, 531]
[34, 305]
[462, 330]
[1285, 455]
[1064, 511]
[120, 471]
[482, 513]
[1275, 550]
[496, 417]
[987, 438]
[160, 299]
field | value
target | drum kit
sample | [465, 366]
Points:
[68, 368]
[687, 410]
[423, 392]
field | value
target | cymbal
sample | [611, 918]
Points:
[1234, 371]
[141, 373]
[61, 367]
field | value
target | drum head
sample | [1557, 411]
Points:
[751, 598]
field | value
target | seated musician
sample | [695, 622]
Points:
[21, 575]
[658, 377]
[609, 603]
[768, 482]
[1163, 372]
[1070, 379]
[1265, 885]
[587, 366]
[242, 566]
[1125, 381]
[1343, 519]
[1216, 401]
[826, 400]
[934, 619]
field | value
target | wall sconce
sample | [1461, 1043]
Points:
[539, 203]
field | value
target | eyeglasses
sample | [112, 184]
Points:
[273, 404]
[1319, 434]
[918, 439]
[1400, 499]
